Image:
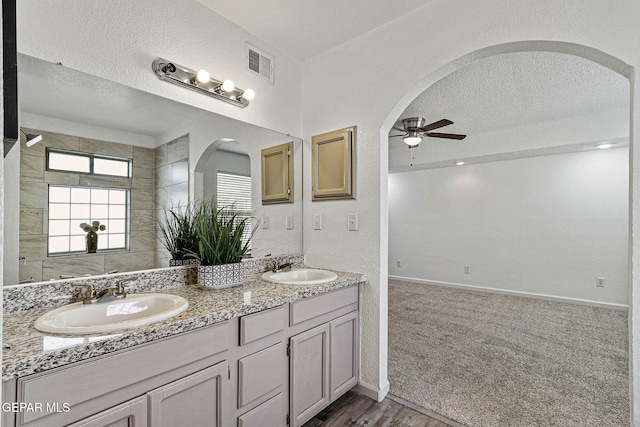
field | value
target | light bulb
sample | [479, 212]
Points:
[412, 139]
[459, 163]
[202, 76]
[248, 94]
[228, 86]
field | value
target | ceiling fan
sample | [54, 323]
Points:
[414, 130]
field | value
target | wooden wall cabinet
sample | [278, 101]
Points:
[333, 165]
[277, 174]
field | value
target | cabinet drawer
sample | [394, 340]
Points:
[317, 306]
[260, 373]
[98, 383]
[270, 413]
[260, 325]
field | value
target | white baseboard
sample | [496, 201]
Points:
[514, 293]
[375, 393]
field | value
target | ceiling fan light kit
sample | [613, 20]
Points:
[415, 130]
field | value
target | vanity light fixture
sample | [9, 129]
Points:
[202, 82]
[605, 144]
[31, 138]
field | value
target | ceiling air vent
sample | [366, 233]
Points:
[259, 62]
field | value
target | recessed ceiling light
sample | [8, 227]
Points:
[605, 144]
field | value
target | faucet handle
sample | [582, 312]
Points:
[120, 283]
[89, 292]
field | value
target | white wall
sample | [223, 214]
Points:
[544, 225]
[370, 80]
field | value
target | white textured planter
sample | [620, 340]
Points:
[179, 262]
[220, 276]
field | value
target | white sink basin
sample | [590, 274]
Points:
[300, 276]
[130, 312]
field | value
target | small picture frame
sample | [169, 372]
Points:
[333, 165]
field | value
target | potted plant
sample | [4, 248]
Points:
[178, 235]
[92, 235]
[224, 236]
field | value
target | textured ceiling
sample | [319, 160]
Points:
[520, 89]
[304, 29]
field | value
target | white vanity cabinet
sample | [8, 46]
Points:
[276, 367]
[324, 359]
[99, 391]
[262, 395]
[196, 400]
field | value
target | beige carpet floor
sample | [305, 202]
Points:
[485, 359]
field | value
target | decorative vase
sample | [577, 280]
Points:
[179, 262]
[92, 242]
[220, 276]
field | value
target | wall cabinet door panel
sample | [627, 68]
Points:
[196, 400]
[309, 375]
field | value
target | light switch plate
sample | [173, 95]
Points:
[317, 221]
[352, 220]
[265, 222]
[289, 222]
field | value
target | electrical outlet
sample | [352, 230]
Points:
[399, 263]
[265, 222]
[600, 282]
[289, 222]
[352, 219]
[317, 221]
[467, 270]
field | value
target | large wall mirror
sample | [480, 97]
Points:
[162, 155]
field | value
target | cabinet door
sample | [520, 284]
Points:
[129, 414]
[196, 400]
[345, 350]
[309, 374]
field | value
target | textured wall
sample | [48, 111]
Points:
[34, 183]
[370, 80]
[545, 225]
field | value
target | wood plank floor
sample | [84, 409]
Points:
[355, 409]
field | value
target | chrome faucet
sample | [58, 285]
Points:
[90, 296]
[277, 268]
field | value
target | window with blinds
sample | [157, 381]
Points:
[235, 190]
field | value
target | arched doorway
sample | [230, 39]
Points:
[581, 51]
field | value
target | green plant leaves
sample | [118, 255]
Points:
[212, 235]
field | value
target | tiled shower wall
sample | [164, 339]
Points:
[34, 182]
[172, 184]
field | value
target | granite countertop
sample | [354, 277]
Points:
[32, 351]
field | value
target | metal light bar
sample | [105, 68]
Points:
[185, 77]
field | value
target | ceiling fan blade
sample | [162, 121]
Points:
[400, 129]
[393, 136]
[436, 125]
[446, 135]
